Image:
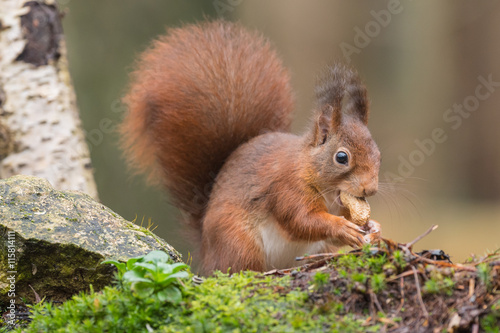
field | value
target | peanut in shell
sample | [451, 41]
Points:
[358, 208]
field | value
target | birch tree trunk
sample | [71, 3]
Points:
[40, 129]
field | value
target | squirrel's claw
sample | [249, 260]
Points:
[350, 234]
[373, 230]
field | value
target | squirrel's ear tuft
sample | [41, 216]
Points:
[330, 90]
[331, 86]
[357, 98]
[339, 81]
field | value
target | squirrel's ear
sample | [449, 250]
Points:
[330, 90]
[327, 122]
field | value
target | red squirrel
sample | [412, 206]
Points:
[209, 118]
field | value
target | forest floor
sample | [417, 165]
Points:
[384, 287]
[406, 291]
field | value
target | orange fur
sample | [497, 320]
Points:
[197, 94]
[209, 108]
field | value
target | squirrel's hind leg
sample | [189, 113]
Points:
[229, 241]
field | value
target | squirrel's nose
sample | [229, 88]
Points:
[370, 190]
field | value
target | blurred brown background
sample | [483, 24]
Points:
[426, 64]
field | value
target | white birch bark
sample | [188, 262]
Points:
[40, 129]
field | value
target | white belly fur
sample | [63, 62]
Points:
[280, 252]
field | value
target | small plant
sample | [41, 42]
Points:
[377, 282]
[152, 274]
[359, 277]
[342, 273]
[320, 279]
[399, 259]
[491, 322]
[431, 287]
[483, 273]
[350, 262]
[437, 286]
[376, 263]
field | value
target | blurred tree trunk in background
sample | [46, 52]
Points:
[481, 172]
[40, 130]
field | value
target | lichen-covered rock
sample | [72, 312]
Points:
[53, 241]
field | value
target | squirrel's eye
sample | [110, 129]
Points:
[342, 158]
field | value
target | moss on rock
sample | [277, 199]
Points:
[56, 241]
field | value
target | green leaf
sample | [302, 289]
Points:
[171, 268]
[134, 276]
[173, 278]
[147, 266]
[119, 265]
[156, 256]
[165, 268]
[170, 294]
[131, 262]
[143, 289]
[178, 266]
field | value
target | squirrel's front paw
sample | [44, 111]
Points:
[373, 230]
[349, 233]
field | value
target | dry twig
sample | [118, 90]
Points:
[432, 228]
[419, 293]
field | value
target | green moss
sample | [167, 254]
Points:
[483, 272]
[243, 302]
[321, 279]
[377, 282]
[491, 322]
[356, 292]
[219, 304]
[438, 283]
[50, 264]
[367, 271]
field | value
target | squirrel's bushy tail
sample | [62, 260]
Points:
[197, 94]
